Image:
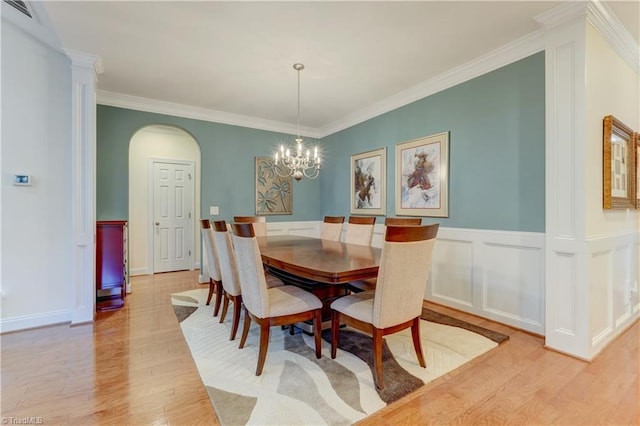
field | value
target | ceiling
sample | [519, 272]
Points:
[237, 57]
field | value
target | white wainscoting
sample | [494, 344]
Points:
[494, 274]
[613, 286]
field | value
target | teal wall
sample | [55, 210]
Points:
[227, 178]
[496, 154]
[496, 149]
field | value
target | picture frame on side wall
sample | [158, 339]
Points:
[422, 176]
[274, 194]
[636, 135]
[618, 165]
[368, 182]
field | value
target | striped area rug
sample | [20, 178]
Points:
[298, 389]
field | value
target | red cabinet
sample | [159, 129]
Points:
[111, 264]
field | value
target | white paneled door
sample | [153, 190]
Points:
[173, 208]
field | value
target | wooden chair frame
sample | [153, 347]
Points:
[214, 285]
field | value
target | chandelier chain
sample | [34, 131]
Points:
[293, 161]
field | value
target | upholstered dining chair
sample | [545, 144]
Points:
[396, 303]
[213, 268]
[370, 284]
[259, 223]
[231, 290]
[360, 230]
[402, 221]
[276, 306]
[332, 228]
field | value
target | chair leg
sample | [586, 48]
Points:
[212, 287]
[219, 292]
[225, 306]
[237, 305]
[335, 325]
[245, 329]
[377, 358]
[264, 345]
[317, 323]
[417, 344]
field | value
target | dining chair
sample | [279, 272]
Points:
[396, 303]
[402, 221]
[332, 228]
[360, 230]
[213, 268]
[276, 306]
[231, 290]
[259, 223]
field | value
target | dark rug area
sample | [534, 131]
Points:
[433, 316]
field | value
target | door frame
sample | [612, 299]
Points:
[150, 206]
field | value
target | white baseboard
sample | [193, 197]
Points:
[33, 321]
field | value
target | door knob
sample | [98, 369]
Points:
[157, 223]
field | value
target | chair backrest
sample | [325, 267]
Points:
[226, 258]
[210, 249]
[250, 270]
[360, 230]
[259, 224]
[405, 263]
[332, 228]
[402, 221]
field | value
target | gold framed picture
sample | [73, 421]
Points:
[618, 165]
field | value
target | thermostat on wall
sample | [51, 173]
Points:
[23, 180]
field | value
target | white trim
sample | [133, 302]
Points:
[197, 113]
[613, 32]
[32, 321]
[505, 55]
[83, 181]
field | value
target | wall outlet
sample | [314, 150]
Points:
[214, 210]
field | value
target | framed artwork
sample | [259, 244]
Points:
[637, 136]
[368, 180]
[274, 194]
[619, 165]
[422, 176]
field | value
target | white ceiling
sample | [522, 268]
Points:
[237, 57]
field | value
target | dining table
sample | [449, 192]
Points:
[322, 267]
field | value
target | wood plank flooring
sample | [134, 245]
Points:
[132, 366]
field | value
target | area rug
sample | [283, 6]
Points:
[298, 389]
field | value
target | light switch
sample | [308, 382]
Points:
[214, 211]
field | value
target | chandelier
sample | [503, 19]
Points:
[298, 163]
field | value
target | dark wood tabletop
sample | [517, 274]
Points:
[320, 260]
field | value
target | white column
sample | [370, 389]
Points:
[84, 70]
[566, 283]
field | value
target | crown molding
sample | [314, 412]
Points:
[507, 54]
[197, 113]
[85, 60]
[605, 22]
[613, 32]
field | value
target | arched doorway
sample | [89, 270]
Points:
[149, 147]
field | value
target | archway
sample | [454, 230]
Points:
[149, 144]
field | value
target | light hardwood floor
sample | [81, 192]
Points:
[133, 367]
